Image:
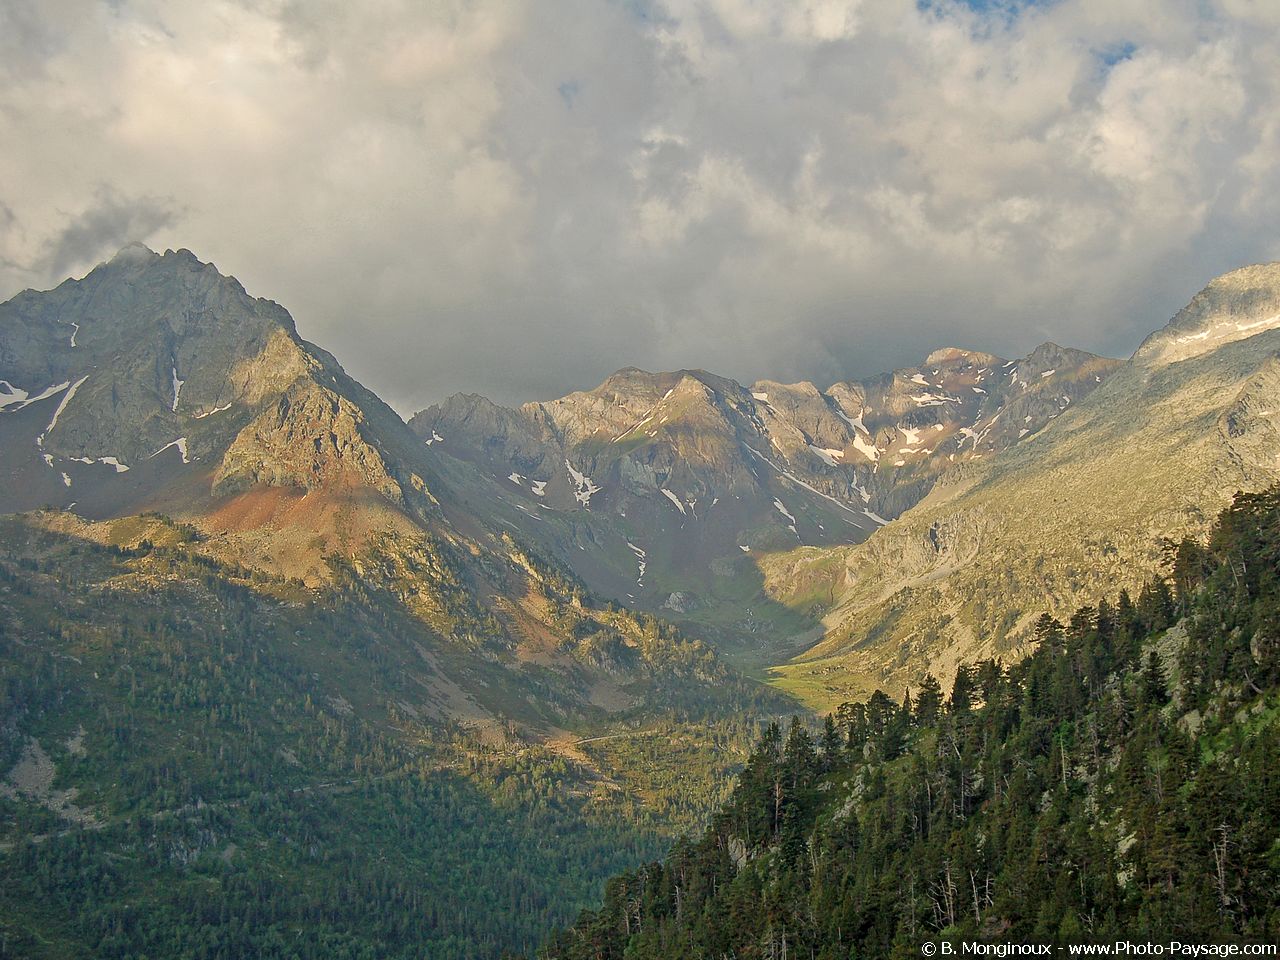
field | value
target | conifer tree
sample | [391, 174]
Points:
[831, 742]
[1154, 690]
[962, 690]
[928, 701]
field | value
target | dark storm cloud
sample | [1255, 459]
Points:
[109, 222]
[517, 198]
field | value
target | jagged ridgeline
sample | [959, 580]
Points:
[752, 514]
[1120, 783]
[669, 490]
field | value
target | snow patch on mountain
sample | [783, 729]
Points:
[800, 483]
[641, 562]
[933, 399]
[778, 505]
[1225, 329]
[177, 388]
[19, 398]
[827, 455]
[868, 450]
[109, 461]
[180, 443]
[9, 394]
[855, 422]
[62, 405]
[673, 498]
[583, 486]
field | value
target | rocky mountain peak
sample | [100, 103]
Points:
[775, 390]
[693, 468]
[954, 355]
[1234, 306]
[1049, 356]
[156, 369]
[134, 253]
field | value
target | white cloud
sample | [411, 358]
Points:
[516, 197]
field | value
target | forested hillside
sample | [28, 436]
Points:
[210, 762]
[1121, 783]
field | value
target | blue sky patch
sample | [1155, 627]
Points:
[569, 92]
[1116, 52]
[1007, 10]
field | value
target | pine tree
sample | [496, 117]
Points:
[831, 742]
[1154, 689]
[962, 690]
[928, 701]
[1048, 632]
[1155, 605]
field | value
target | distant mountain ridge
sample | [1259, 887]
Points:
[156, 369]
[857, 442]
[696, 470]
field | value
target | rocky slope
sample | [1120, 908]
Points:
[255, 607]
[1074, 512]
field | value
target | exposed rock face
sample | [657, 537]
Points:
[694, 434]
[310, 437]
[156, 382]
[156, 390]
[163, 342]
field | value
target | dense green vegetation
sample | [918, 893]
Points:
[1122, 783]
[263, 770]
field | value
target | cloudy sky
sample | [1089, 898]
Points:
[516, 198]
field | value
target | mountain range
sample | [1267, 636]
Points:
[1085, 507]
[849, 537]
[684, 469]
